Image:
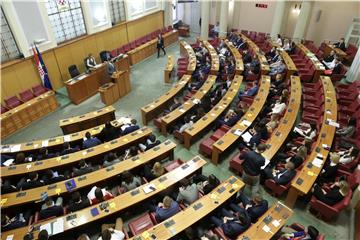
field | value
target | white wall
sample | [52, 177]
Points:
[138, 8]
[97, 15]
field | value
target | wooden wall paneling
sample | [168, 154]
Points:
[90, 46]
[53, 69]
[64, 60]
[9, 82]
[78, 53]
[27, 74]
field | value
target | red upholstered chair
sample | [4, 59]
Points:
[329, 212]
[298, 227]
[39, 89]
[206, 146]
[178, 135]
[236, 164]
[220, 233]
[276, 189]
[174, 164]
[348, 167]
[4, 109]
[13, 102]
[140, 224]
[26, 95]
[157, 122]
[354, 179]
[338, 77]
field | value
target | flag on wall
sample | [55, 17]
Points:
[42, 68]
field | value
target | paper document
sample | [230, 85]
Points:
[332, 123]
[246, 136]
[47, 227]
[45, 143]
[246, 123]
[237, 132]
[266, 228]
[317, 162]
[10, 237]
[276, 223]
[149, 188]
[16, 148]
[267, 161]
[67, 138]
[58, 226]
[8, 162]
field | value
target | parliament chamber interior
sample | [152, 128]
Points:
[180, 119]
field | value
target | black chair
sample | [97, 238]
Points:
[73, 71]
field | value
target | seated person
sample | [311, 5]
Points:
[6, 186]
[110, 159]
[19, 220]
[131, 152]
[273, 123]
[230, 119]
[174, 105]
[337, 67]
[166, 209]
[97, 195]
[289, 233]
[329, 58]
[108, 133]
[270, 54]
[250, 92]
[346, 132]
[299, 157]
[254, 207]
[279, 107]
[306, 130]
[259, 132]
[90, 141]
[112, 231]
[188, 192]
[149, 144]
[51, 177]
[20, 158]
[77, 202]
[129, 128]
[277, 68]
[209, 184]
[328, 173]
[188, 123]
[292, 48]
[231, 225]
[130, 181]
[199, 113]
[286, 46]
[84, 168]
[337, 192]
[90, 62]
[68, 149]
[283, 176]
[341, 44]
[51, 208]
[275, 58]
[348, 156]
[246, 57]
[156, 171]
[31, 182]
[44, 154]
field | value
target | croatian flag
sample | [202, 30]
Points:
[42, 68]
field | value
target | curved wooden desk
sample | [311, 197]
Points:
[193, 213]
[31, 195]
[117, 204]
[328, 48]
[214, 113]
[55, 142]
[290, 65]
[87, 120]
[264, 65]
[180, 111]
[215, 64]
[304, 180]
[242, 125]
[187, 51]
[169, 68]
[287, 122]
[26, 113]
[239, 65]
[269, 224]
[61, 161]
[151, 110]
[318, 66]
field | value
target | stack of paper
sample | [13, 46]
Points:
[246, 123]
[149, 188]
[317, 162]
[237, 132]
[67, 138]
[246, 136]
[58, 226]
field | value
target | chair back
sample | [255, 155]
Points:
[73, 71]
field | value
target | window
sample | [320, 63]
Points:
[66, 18]
[117, 11]
[9, 49]
[174, 6]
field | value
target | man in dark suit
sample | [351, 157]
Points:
[110, 67]
[255, 207]
[246, 57]
[341, 44]
[78, 203]
[51, 208]
[83, 168]
[329, 58]
[337, 68]
[129, 128]
[160, 45]
[32, 182]
[253, 161]
[232, 225]
[68, 149]
[283, 176]
[109, 132]
[90, 141]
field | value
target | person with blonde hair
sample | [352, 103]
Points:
[273, 123]
[156, 171]
[328, 173]
[337, 192]
[166, 209]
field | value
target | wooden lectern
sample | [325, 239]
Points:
[122, 81]
[109, 93]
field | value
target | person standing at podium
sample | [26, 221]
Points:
[90, 62]
[110, 67]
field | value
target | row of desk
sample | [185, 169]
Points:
[149, 48]
[154, 108]
[290, 65]
[318, 66]
[214, 57]
[86, 85]
[24, 114]
[329, 47]
[56, 162]
[224, 143]
[187, 51]
[87, 120]
[176, 114]
[210, 117]
[79, 218]
[239, 65]
[303, 182]
[159, 152]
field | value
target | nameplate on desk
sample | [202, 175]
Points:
[90, 150]
[99, 110]
[190, 128]
[289, 110]
[96, 128]
[257, 99]
[252, 109]
[267, 220]
[113, 142]
[185, 166]
[278, 208]
[110, 168]
[220, 142]
[169, 223]
[299, 181]
[232, 180]
[81, 178]
[52, 186]
[309, 165]
[221, 189]
[71, 217]
[11, 167]
[135, 158]
[284, 121]
[317, 149]
[146, 107]
[156, 148]
[29, 144]
[65, 157]
[166, 117]
[167, 142]
[135, 192]
[52, 140]
[38, 163]
[66, 120]
[20, 194]
[74, 134]
[323, 135]
[277, 134]
[162, 179]
[196, 159]
[292, 100]
[197, 206]
[81, 116]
